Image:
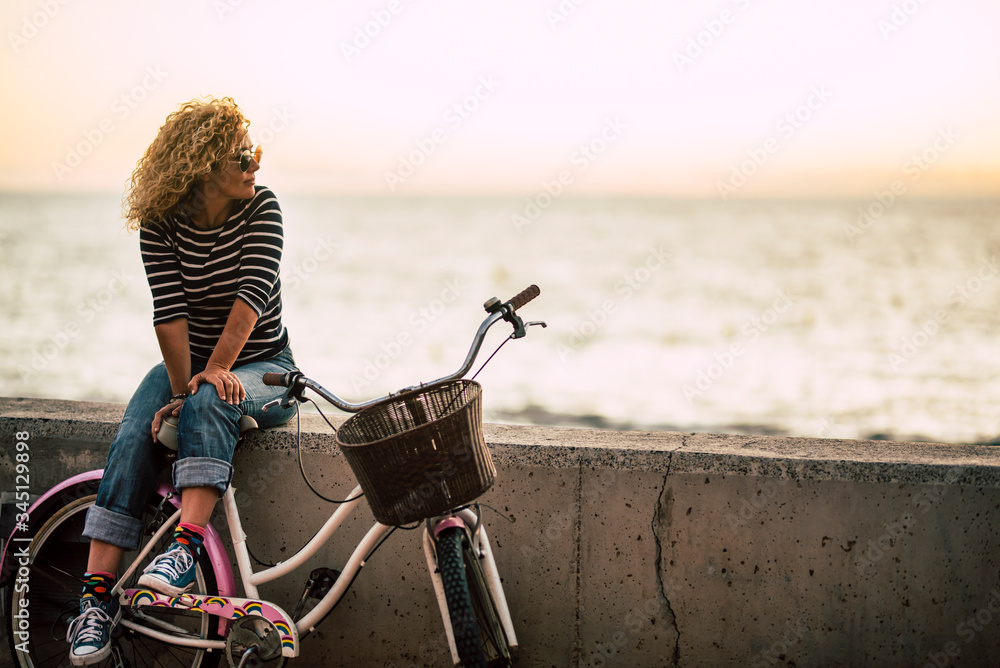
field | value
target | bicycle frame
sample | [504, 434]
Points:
[230, 608]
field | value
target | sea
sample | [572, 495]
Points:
[833, 319]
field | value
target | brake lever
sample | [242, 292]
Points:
[511, 316]
[287, 400]
[520, 326]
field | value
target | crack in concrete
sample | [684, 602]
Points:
[663, 511]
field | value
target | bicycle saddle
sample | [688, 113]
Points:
[168, 430]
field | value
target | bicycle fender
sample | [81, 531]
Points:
[41, 503]
[213, 542]
[213, 547]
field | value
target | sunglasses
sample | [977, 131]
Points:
[247, 156]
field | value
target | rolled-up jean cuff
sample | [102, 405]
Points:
[202, 472]
[123, 531]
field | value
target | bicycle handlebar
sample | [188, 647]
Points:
[296, 381]
[524, 296]
[278, 379]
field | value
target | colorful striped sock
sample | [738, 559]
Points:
[99, 585]
[190, 536]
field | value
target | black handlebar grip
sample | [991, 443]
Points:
[276, 379]
[524, 296]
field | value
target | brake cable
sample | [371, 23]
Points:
[298, 450]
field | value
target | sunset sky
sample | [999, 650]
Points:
[746, 98]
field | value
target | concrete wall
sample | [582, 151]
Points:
[641, 549]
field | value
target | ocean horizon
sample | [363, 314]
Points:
[838, 319]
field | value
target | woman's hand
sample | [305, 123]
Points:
[226, 383]
[173, 408]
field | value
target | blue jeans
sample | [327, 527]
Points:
[207, 434]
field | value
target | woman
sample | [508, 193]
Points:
[211, 241]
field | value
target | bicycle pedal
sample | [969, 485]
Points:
[318, 585]
[322, 580]
[118, 659]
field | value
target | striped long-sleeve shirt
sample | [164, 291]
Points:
[198, 274]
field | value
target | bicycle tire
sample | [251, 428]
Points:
[479, 635]
[58, 559]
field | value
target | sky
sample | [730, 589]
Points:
[725, 98]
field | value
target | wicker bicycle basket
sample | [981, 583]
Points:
[420, 453]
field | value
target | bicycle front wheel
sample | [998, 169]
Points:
[475, 623]
[58, 558]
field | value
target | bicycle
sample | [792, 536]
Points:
[419, 457]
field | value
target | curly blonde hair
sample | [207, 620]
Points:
[192, 142]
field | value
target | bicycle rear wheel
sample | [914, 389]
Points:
[479, 635]
[58, 559]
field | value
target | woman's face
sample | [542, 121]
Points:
[229, 181]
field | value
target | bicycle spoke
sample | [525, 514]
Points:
[59, 558]
[141, 645]
[53, 650]
[136, 645]
[43, 569]
[492, 636]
